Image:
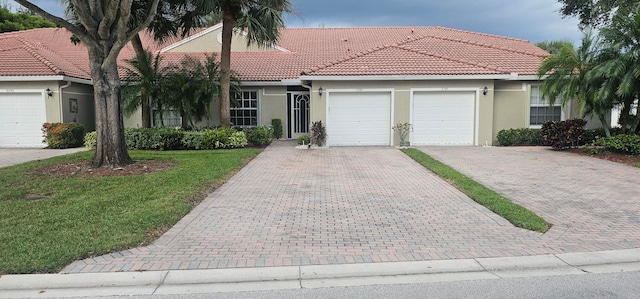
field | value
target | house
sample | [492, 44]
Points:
[456, 87]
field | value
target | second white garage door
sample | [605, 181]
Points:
[443, 118]
[21, 119]
[359, 118]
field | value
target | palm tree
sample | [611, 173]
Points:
[621, 69]
[143, 83]
[260, 19]
[568, 78]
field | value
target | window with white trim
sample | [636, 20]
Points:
[245, 112]
[539, 109]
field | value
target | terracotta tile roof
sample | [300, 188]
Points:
[313, 51]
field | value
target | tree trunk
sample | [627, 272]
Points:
[111, 148]
[228, 22]
[145, 105]
[605, 125]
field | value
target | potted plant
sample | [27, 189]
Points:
[403, 130]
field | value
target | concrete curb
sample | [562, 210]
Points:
[296, 277]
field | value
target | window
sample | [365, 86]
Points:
[246, 111]
[540, 110]
[166, 119]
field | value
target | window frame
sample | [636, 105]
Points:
[241, 101]
[541, 102]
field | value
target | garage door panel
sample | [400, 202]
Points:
[359, 118]
[443, 118]
[21, 119]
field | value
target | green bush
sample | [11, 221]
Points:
[276, 123]
[304, 139]
[224, 138]
[176, 139]
[260, 136]
[522, 136]
[153, 138]
[623, 143]
[90, 140]
[192, 140]
[63, 135]
[564, 134]
[590, 135]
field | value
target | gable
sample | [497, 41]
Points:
[210, 40]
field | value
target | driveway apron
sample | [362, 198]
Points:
[339, 205]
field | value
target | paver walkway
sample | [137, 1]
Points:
[335, 206]
[13, 156]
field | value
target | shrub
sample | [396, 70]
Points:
[260, 136]
[590, 135]
[153, 138]
[224, 138]
[522, 136]
[192, 140]
[90, 140]
[63, 135]
[561, 135]
[623, 143]
[303, 140]
[318, 133]
[276, 123]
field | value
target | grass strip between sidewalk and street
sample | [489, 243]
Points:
[48, 222]
[516, 214]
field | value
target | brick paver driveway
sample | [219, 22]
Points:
[342, 205]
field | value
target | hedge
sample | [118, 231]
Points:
[63, 135]
[176, 139]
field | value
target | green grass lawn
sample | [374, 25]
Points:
[81, 218]
[516, 214]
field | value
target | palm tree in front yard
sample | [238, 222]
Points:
[568, 78]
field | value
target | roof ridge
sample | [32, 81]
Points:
[350, 57]
[464, 61]
[30, 48]
[483, 34]
[486, 45]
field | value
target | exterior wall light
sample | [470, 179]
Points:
[485, 90]
[320, 90]
[49, 92]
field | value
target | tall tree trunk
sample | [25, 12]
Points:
[111, 148]
[145, 104]
[228, 22]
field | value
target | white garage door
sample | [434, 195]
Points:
[21, 119]
[359, 118]
[443, 118]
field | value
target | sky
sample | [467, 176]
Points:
[533, 20]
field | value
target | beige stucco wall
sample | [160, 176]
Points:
[211, 42]
[273, 104]
[401, 91]
[83, 94]
[511, 106]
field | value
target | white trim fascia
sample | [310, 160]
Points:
[44, 78]
[527, 78]
[406, 77]
[4, 91]
[263, 83]
[190, 38]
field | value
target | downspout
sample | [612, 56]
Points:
[60, 99]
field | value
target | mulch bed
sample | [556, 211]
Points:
[610, 156]
[85, 170]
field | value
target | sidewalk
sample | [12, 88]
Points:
[296, 277]
[13, 156]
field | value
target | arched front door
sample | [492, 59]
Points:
[299, 114]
